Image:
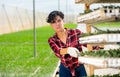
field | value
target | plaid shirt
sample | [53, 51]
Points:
[72, 41]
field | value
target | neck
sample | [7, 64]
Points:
[61, 33]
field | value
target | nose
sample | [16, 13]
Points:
[57, 23]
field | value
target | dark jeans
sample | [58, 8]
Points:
[65, 72]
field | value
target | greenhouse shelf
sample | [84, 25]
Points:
[96, 1]
[100, 62]
[101, 39]
[100, 15]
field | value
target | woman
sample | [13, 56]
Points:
[65, 45]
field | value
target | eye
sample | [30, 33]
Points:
[59, 20]
[53, 22]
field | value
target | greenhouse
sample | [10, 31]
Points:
[42, 38]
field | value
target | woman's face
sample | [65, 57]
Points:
[58, 24]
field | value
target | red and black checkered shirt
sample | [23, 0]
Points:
[72, 41]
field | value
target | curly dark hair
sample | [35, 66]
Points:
[51, 17]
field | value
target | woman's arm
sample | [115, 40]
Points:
[63, 51]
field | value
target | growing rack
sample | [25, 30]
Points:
[98, 16]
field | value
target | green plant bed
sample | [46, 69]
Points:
[17, 53]
[100, 32]
[109, 24]
[112, 53]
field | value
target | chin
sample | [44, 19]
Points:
[58, 30]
